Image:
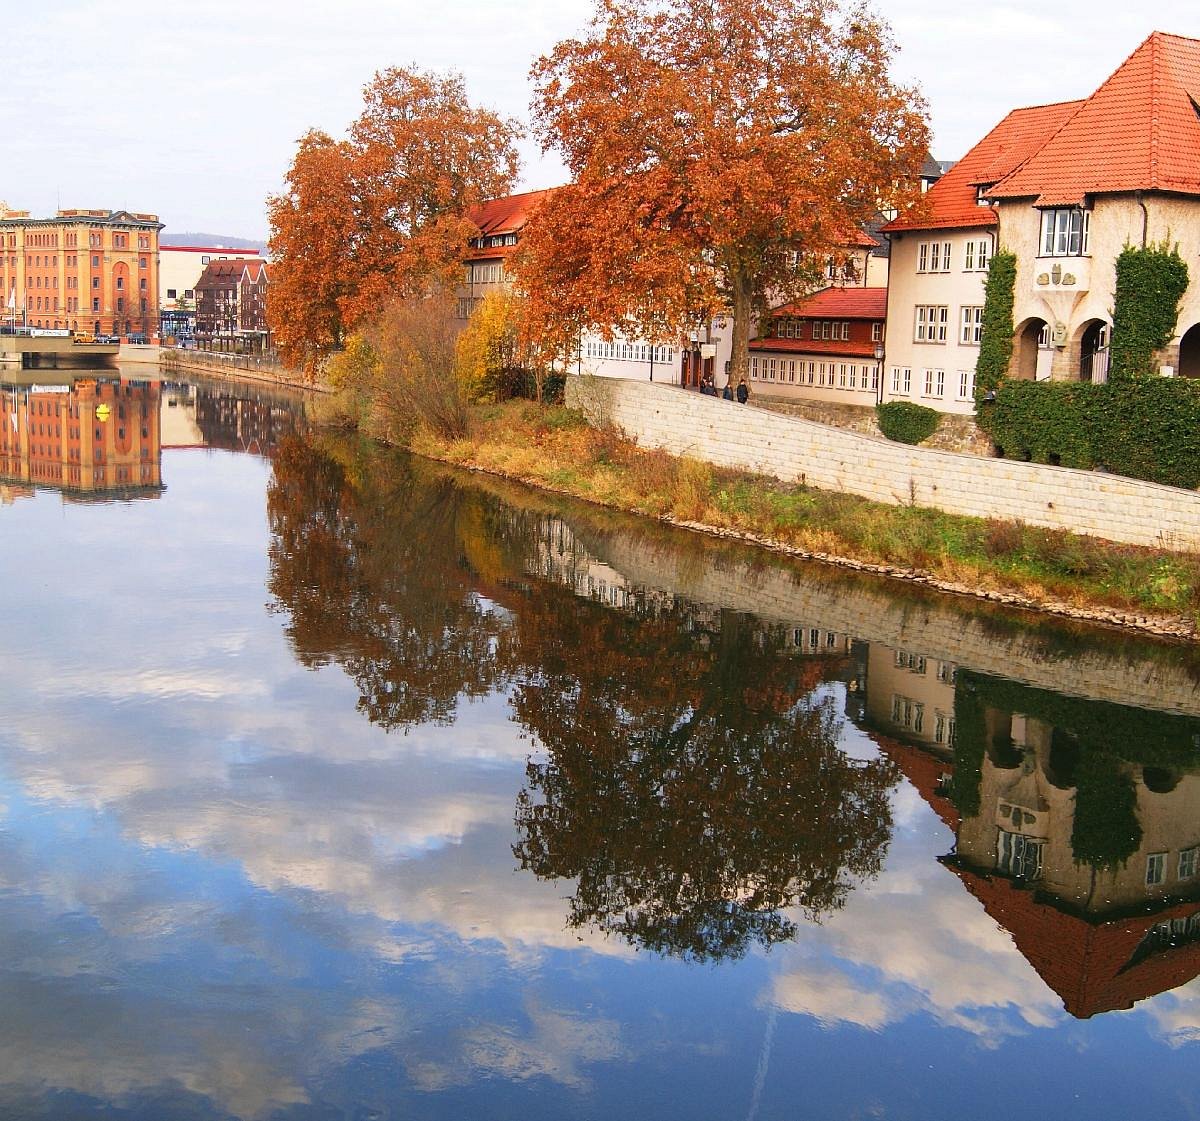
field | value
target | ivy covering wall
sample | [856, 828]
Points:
[1137, 424]
[1150, 284]
[996, 341]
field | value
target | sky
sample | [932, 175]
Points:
[193, 112]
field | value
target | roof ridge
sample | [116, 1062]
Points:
[1155, 80]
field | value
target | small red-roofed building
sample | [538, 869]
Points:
[1065, 187]
[499, 223]
[824, 348]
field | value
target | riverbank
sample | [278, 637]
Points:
[1043, 570]
[238, 367]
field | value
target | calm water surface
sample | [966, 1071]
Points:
[336, 785]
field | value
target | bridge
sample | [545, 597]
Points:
[55, 351]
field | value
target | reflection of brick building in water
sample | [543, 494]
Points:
[1039, 796]
[251, 421]
[98, 438]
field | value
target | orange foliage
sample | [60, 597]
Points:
[709, 141]
[383, 213]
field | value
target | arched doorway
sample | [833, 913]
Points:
[1093, 351]
[1189, 353]
[1030, 342]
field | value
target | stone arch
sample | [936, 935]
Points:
[1189, 352]
[1089, 350]
[1026, 363]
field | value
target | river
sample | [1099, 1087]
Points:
[337, 784]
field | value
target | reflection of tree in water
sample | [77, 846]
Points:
[695, 790]
[364, 559]
[693, 787]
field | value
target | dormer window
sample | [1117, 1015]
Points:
[981, 198]
[1065, 232]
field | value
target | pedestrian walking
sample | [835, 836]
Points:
[743, 392]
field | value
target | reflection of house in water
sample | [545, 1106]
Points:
[1076, 821]
[562, 558]
[242, 418]
[92, 439]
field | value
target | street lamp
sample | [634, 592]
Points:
[879, 373]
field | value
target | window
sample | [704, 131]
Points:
[96, 307]
[935, 383]
[1156, 864]
[95, 261]
[931, 323]
[170, 293]
[975, 256]
[901, 380]
[876, 332]
[971, 330]
[205, 259]
[1187, 863]
[943, 729]
[914, 663]
[933, 256]
[95, 282]
[947, 672]
[1019, 856]
[1065, 232]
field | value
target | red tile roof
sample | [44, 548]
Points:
[839, 303]
[1090, 964]
[1139, 131]
[506, 215]
[951, 202]
[842, 348]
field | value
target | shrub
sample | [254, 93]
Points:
[1143, 428]
[905, 422]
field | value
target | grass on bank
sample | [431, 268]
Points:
[555, 447]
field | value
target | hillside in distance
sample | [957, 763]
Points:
[216, 241]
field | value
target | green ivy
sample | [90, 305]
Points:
[1105, 832]
[996, 341]
[1144, 428]
[1150, 284]
[906, 422]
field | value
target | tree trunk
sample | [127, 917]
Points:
[740, 359]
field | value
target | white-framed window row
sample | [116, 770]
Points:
[970, 321]
[821, 375]
[1019, 856]
[935, 383]
[907, 713]
[619, 351]
[977, 255]
[933, 256]
[931, 323]
[1066, 232]
[914, 663]
[834, 329]
[902, 381]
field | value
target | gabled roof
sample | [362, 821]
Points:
[951, 202]
[1139, 131]
[839, 303]
[508, 214]
[255, 268]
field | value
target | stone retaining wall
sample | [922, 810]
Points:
[731, 435]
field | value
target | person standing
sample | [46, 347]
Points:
[743, 392]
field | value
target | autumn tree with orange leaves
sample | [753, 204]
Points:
[381, 214]
[717, 148]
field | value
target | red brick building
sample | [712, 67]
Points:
[231, 302]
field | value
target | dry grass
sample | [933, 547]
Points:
[555, 448]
